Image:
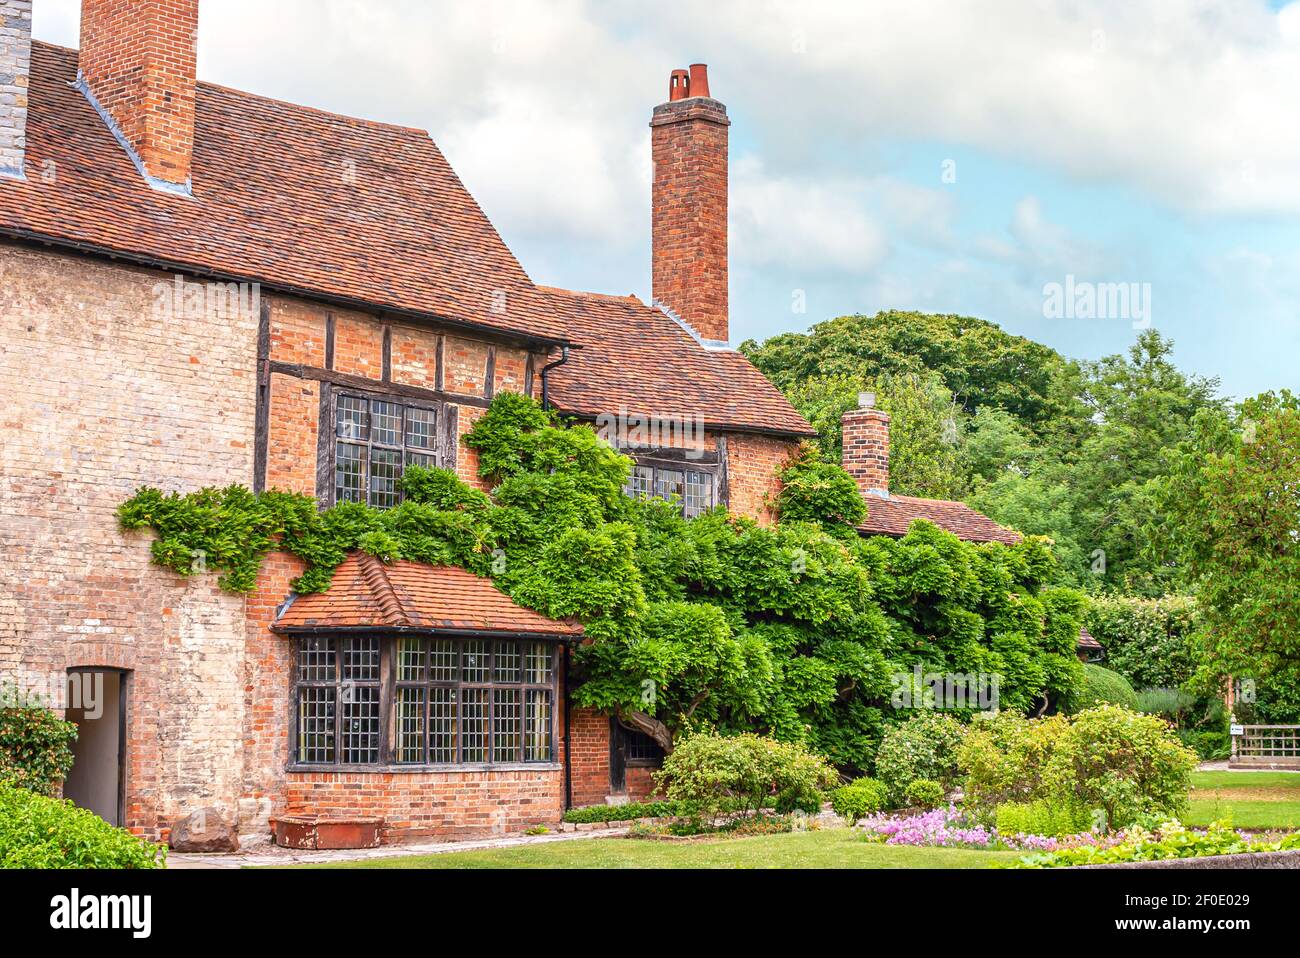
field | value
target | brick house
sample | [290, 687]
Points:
[203, 287]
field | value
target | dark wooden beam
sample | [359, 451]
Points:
[262, 413]
[347, 380]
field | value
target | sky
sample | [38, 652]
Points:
[992, 159]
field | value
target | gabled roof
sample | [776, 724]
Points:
[411, 596]
[294, 198]
[637, 359]
[893, 516]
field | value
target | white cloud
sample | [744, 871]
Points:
[542, 107]
[800, 224]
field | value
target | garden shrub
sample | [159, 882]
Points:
[1128, 764]
[1109, 759]
[923, 747]
[35, 749]
[923, 793]
[1171, 704]
[860, 798]
[41, 832]
[718, 774]
[1053, 819]
[1151, 642]
[1102, 686]
[1209, 745]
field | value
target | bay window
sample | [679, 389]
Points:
[450, 701]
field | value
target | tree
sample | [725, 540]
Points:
[1229, 516]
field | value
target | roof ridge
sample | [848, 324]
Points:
[630, 298]
[376, 576]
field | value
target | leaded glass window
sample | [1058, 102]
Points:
[694, 490]
[375, 440]
[453, 701]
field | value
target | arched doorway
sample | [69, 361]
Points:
[97, 705]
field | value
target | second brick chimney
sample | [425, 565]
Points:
[688, 137]
[138, 67]
[866, 446]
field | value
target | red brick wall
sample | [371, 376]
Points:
[688, 141]
[589, 753]
[140, 60]
[448, 805]
[752, 466]
[358, 346]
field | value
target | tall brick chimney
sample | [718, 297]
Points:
[866, 446]
[15, 70]
[137, 66]
[688, 137]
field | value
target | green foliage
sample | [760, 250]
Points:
[922, 748]
[1053, 819]
[718, 773]
[1044, 445]
[923, 793]
[1169, 704]
[792, 630]
[1107, 759]
[1102, 686]
[1151, 642]
[35, 749]
[860, 798]
[41, 832]
[814, 491]
[1170, 840]
[1224, 517]
[625, 813]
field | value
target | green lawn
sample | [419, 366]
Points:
[1255, 800]
[832, 848]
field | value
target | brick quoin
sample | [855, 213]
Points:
[139, 58]
[688, 138]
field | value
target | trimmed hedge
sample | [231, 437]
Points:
[41, 832]
[860, 798]
[591, 814]
[1104, 687]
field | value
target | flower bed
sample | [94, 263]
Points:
[950, 828]
[1171, 840]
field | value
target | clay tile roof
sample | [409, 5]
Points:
[893, 516]
[1086, 641]
[369, 594]
[275, 203]
[637, 359]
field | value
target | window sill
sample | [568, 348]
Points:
[476, 769]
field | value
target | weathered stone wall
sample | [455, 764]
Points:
[108, 387]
